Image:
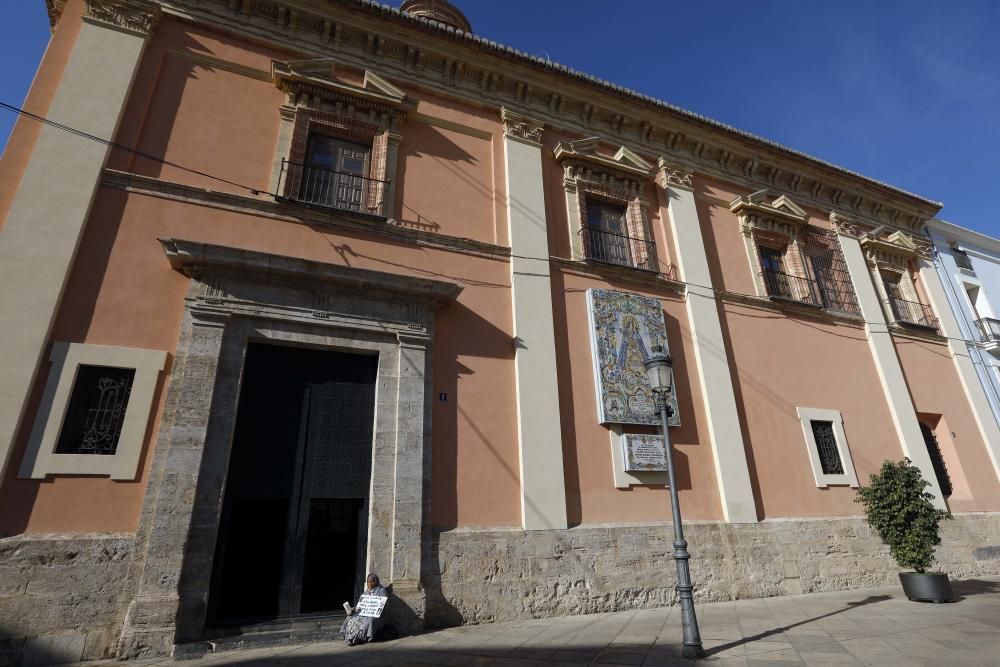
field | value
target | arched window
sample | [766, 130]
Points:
[940, 471]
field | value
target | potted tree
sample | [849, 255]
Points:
[899, 509]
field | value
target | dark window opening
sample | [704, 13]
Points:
[606, 237]
[96, 411]
[826, 446]
[962, 259]
[937, 461]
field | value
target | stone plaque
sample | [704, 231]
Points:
[623, 328]
[643, 453]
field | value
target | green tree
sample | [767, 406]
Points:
[902, 513]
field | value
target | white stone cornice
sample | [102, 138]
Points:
[135, 16]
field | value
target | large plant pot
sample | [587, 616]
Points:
[928, 587]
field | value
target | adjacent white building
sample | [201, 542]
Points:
[968, 264]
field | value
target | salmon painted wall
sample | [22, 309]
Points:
[40, 95]
[590, 490]
[940, 399]
[123, 292]
[786, 360]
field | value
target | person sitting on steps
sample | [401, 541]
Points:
[359, 629]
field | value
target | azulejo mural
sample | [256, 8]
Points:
[623, 328]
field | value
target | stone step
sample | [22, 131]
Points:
[282, 632]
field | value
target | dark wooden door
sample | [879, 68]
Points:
[293, 535]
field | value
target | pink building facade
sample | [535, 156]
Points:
[333, 304]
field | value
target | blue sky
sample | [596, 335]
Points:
[904, 92]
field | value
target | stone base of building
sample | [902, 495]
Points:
[488, 575]
[60, 597]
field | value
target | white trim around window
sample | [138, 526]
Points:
[41, 458]
[849, 477]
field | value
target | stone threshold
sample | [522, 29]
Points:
[281, 632]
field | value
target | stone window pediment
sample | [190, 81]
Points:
[613, 186]
[791, 260]
[318, 104]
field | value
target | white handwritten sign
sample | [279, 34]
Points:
[371, 605]
[643, 453]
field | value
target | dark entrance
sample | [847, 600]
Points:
[294, 527]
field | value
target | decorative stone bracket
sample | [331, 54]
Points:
[135, 16]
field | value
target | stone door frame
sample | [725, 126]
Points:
[236, 297]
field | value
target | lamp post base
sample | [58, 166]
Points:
[693, 652]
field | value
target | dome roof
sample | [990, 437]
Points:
[441, 11]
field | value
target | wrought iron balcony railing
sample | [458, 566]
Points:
[912, 312]
[792, 288]
[989, 330]
[611, 248]
[327, 188]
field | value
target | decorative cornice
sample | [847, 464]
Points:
[193, 258]
[893, 250]
[674, 175]
[135, 16]
[475, 70]
[519, 126]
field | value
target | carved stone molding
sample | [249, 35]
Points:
[674, 175]
[893, 251]
[55, 9]
[761, 210]
[845, 225]
[521, 127]
[138, 16]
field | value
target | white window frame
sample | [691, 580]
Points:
[41, 458]
[849, 477]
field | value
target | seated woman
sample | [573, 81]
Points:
[359, 629]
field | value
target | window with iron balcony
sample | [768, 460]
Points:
[608, 223]
[338, 142]
[890, 256]
[793, 261]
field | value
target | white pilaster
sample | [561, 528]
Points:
[974, 392]
[39, 239]
[731, 469]
[890, 372]
[539, 434]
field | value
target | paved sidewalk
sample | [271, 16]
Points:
[868, 627]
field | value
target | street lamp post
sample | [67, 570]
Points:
[659, 368]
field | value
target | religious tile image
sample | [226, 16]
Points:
[623, 328]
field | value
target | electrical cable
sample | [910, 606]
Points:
[256, 191]
[112, 144]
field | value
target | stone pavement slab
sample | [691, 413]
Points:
[860, 627]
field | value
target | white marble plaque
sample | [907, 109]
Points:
[623, 329]
[643, 453]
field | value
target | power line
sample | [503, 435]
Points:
[717, 293]
[112, 144]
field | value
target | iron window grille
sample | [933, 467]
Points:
[989, 330]
[826, 446]
[937, 460]
[96, 410]
[832, 275]
[905, 311]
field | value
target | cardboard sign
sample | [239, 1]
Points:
[371, 605]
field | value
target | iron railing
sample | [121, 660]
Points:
[792, 288]
[912, 312]
[611, 248]
[327, 188]
[989, 330]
